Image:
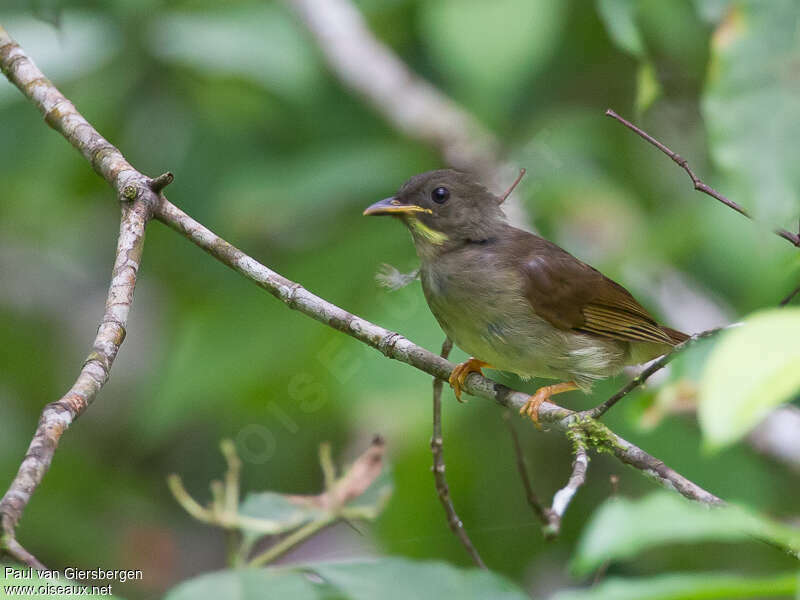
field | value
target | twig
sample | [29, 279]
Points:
[601, 409]
[539, 509]
[563, 497]
[792, 238]
[791, 295]
[511, 188]
[292, 540]
[439, 477]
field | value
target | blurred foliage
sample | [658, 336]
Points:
[753, 369]
[389, 578]
[273, 153]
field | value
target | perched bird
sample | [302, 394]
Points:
[513, 300]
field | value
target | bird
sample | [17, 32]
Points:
[514, 301]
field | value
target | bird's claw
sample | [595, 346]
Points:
[460, 373]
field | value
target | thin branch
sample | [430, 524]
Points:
[564, 496]
[655, 366]
[790, 296]
[536, 504]
[792, 238]
[513, 186]
[437, 449]
[395, 346]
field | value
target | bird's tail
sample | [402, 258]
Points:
[675, 336]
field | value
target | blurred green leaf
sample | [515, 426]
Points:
[277, 508]
[750, 107]
[689, 586]
[18, 575]
[68, 52]
[489, 51]
[752, 369]
[619, 18]
[262, 45]
[620, 529]
[386, 578]
[648, 88]
[253, 584]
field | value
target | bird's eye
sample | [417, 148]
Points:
[440, 195]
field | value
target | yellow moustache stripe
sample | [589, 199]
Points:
[433, 236]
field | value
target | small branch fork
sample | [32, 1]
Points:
[141, 199]
[437, 449]
[601, 409]
[792, 238]
[551, 516]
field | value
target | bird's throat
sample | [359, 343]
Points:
[423, 232]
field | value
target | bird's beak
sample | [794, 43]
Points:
[393, 206]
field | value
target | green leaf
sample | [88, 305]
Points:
[401, 579]
[385, 578]
[621, 528]
[490, 50]
[750, 107]
[261, 45]
[689, 586]
[66, 53]
[278, 510]
[648, 88]
[253, 584]
[619, 18]
[752, 369]
[21, 575]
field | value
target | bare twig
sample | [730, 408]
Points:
[539, 509]
[655, 366]
[790, 296]
[792, 238]
[437, 449]
[513, 186]
[577, 478]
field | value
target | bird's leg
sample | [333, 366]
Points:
[460, 372]
[531, 407]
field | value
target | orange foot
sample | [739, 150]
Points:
[459, 374]
[531, 407]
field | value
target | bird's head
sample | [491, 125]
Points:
[443, 208]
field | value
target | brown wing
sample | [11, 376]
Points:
[572, 295]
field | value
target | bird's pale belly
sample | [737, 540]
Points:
[495, 323]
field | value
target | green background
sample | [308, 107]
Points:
[272, 152]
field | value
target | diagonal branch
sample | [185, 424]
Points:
[437, 449]
[792, 238]
[395, 346]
